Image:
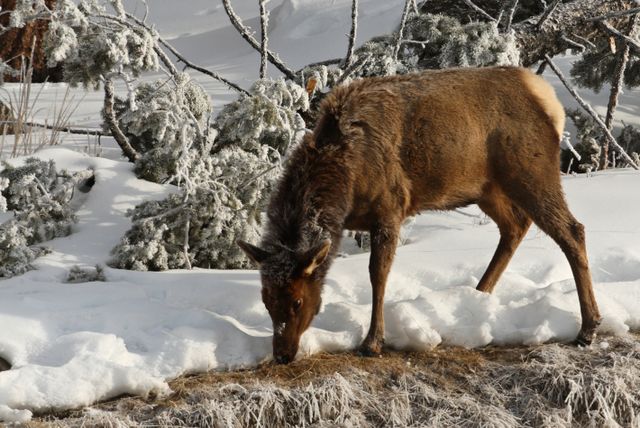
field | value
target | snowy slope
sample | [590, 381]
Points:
[73, 344]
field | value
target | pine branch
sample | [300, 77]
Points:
[352, 35]
[403, 23]
[112, 122]
[591, 112]
[264, 22]
[244, 32]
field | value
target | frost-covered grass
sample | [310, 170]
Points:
[549, 385]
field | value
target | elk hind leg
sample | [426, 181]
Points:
[513, 224]
[549, 210]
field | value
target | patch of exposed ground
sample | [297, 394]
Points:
[549, 385]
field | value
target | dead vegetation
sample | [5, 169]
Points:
[549, 385]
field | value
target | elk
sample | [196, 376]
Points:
[389, 147]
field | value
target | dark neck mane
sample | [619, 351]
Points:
[311, 200]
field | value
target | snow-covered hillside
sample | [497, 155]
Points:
[73, 344]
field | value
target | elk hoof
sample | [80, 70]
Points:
[371, 349]
[587, 335]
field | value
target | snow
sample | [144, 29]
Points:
[73, 344]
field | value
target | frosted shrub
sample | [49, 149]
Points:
[629, 139]
[376, 58]
[164, 116]
[589, 137]
[41, 213]
[78, 274]
[224, 181]
[448, 43]
[267, 117]
[16, 255]
[30, 195]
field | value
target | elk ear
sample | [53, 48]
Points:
[315, 256]
[258, 255]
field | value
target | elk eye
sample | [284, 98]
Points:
[297, 304]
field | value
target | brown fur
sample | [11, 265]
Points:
[388, 148]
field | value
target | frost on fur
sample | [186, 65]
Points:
[224, 180]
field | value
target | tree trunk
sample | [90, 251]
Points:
[16, 44]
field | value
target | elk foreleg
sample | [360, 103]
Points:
[383, 247]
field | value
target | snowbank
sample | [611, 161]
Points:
[74, 344]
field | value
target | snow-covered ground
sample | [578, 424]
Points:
[73, 344]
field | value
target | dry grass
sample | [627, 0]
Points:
[549, 385]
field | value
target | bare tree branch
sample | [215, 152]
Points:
[165, 59]
[244, 32]
[202, 70]
[112, 122]
[264, 22]
[479, 10]
[510, 13]
[403, 23]
[616, 14]
[591, 112]
[547, 13]
[626, 39]
[573, 44]
[352, 35]
[69, 129]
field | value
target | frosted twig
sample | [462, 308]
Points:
[244, 32]
[352, 35]
[547, 13]
[112, 122]
[349, 71]
[166, 61]
[403, 23]
[479, 10]
[591, 112]
[264, 22]
[584, 40]
[627, 39]
[572, 43]
[619, 13]
[185, 247]
[510, 14]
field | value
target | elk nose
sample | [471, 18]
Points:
[282, 359]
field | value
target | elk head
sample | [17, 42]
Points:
[291, 287]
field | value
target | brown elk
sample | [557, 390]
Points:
[387, 148]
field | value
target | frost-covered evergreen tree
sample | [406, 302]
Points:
[224, 185]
